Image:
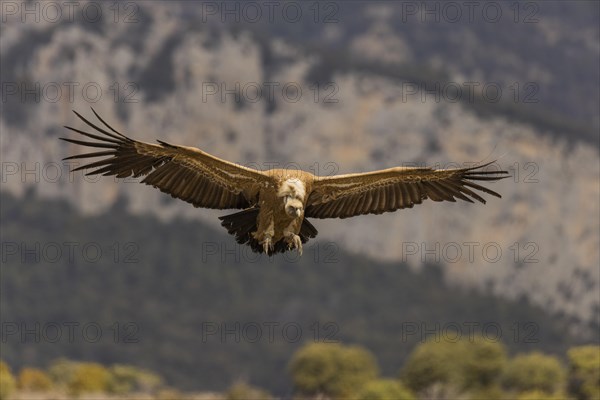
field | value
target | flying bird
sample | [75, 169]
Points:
[276, 203]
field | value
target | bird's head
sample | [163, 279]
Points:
[292, 193]
[293, 206]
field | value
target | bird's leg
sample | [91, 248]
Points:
[267, 244]
[294, 241]
[265, 232]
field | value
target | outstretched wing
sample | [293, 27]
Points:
[376, 192]
[184, 172]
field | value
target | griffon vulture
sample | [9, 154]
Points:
[276, 203]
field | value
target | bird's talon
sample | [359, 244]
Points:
[294, 241]
[268, 245]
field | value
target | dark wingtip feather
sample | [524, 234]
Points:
[107, 125]
[477, 174]
[115, 135]
[485, 172]
[79, 115]
[485, 178]
[89, 144]
[478, 166]
[90, 155]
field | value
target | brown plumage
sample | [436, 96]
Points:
[275, 203]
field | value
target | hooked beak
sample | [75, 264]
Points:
[293, 211]
[294, 208]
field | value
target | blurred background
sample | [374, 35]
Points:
[112, 289]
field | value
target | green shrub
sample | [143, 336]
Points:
[484, 362]
[540, 395]
[433, 362]
[62, 371]
[385, 389]
[584, 372]
[34, 380]
[169, 394]
[451, 367]
[489, 393]
[89, 378]
[243, 391]
[7, 381]
[534, 371]
[126, 379]
[331, 369]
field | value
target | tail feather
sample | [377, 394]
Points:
[243, 223]
[307, 231]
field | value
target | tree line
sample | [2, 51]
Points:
[468, 368]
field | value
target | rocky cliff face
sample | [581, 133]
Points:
[251, 100]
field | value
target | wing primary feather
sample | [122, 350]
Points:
[120, 137]
[108, 126]
[95, 164]
[89, 144]
[483, 189]
[97, 137]
[471, 193]
[485, 178]
[485, 172]
[448, 193]
[182, 172]
[89, 155]
[395, 188]
[455, 190]
[105, 171]
[438, 194]
[478, 166]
